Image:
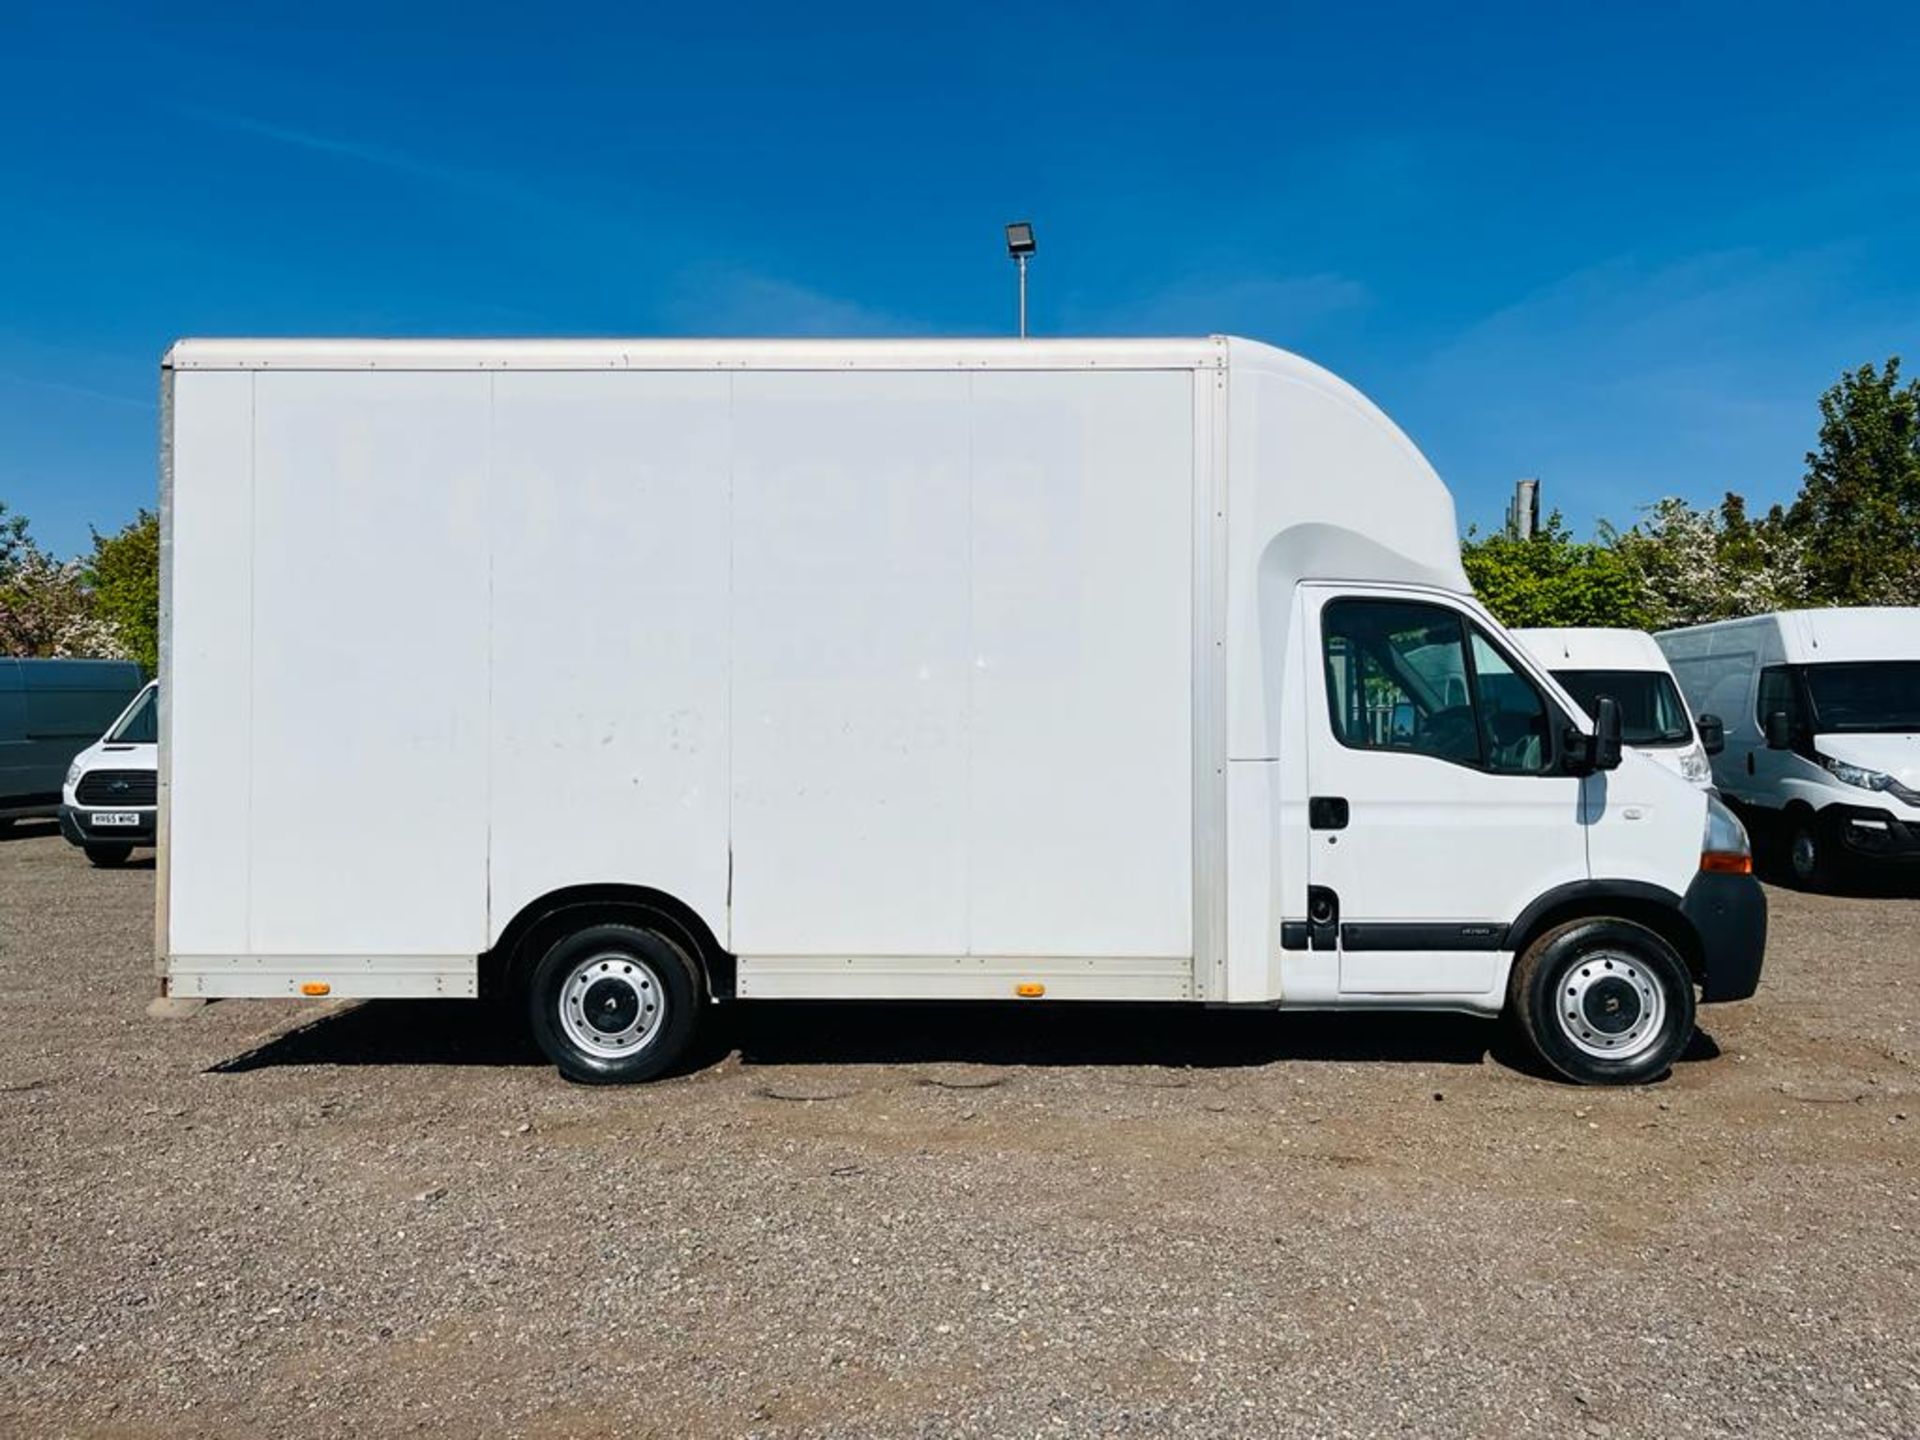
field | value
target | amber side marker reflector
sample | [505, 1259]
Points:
[1720, 864]
[1030, 990]
[316, 987]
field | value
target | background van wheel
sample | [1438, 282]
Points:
[108, 856]
[1603, 1002]
[614, 1004]
[1810, 850]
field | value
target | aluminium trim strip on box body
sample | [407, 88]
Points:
[377, 977]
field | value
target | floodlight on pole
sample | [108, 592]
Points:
[1020, 245]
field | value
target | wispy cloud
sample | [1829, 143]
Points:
[1278, 308]
[733, 300]
[85, 392]
[484, 183]
[1626, 380]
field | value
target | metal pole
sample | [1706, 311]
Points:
[1021, 260]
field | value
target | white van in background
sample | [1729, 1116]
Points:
[1630, 666]
[1034, 671]
[1822, 712]
[110, 798]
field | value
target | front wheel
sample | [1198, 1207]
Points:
[614, 1004]
[108, 857]
[1810, 850]
[1604, 1002]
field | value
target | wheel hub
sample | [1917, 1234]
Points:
[611, 1004]
[1610, 1006]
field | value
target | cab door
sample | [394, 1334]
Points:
[1439, 805]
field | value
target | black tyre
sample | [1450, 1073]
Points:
[107, 857]
[1603, 1002]
[614, 1004]
[1811, 851]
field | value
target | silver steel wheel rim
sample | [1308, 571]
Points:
[1806, 853]
[1611, 1007]
[612, 1005]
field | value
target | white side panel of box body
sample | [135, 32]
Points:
[207, 690]
[609, 661]
[1080, 766]
[367, 806]
[850, 655]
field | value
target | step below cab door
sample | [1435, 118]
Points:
[1439, 801]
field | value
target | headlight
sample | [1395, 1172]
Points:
[73, 773]
[1724, 846]
[1855, 774]
[1694, 765]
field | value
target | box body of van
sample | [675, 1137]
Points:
[50, 710]
[1630, 666]
[1838, 777]
[957, 670]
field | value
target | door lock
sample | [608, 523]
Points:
[1323, 918]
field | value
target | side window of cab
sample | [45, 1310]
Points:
[1415, 677]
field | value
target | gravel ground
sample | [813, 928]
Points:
[945, 1222]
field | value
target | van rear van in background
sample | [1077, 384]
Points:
[51, 710]
[1822, 716]
[1629, 666]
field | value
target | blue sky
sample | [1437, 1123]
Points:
[1620, 248]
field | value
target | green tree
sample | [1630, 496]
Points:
[46, 605]
[124, 573]
[1694, 565]
[1552, 579]
[1858, 512]
[15, 543]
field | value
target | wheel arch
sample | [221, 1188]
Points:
[1638, 901]
[542, 920]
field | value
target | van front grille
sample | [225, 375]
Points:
[117, 787]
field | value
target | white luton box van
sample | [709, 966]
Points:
[625, 677]
[1822, 713]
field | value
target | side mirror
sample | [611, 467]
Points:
[1713, 734]
[1606, 733]
[1779, 731]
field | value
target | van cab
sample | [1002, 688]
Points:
[1630, 666]
[1822, 715]
[109, 802]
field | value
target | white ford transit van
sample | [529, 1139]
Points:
[110, 798]
[1822, 712]
[1630, 666]
[675, 672]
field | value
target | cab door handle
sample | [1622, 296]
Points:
[1327, 812]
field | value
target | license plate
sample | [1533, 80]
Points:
[115, 817]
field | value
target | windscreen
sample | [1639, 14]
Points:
[1651, 712]
[1865, 696]
[140, 725]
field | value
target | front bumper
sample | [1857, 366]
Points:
[1873, 834]
[77, 824]
[1729, 914]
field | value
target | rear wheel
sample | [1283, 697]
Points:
[109, 856]
[1604, 1002]
[614, 1004]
